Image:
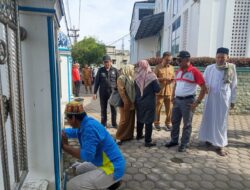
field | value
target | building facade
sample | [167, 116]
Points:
[30, 98]
[201, 26]
[119, 57]
[65, 68]
[141, 48]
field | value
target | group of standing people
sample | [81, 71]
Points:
[218, 84]
[86, 77]
[136, 86]
[143, 93]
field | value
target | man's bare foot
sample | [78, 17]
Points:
[221, 151]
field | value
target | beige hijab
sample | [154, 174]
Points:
[127, 77]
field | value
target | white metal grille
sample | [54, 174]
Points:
[240, 28]
[185, 30]
[13, 148]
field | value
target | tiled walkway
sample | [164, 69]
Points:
[199, 168]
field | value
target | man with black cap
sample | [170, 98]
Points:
[106, 79]
[221, 81]
[187, 78]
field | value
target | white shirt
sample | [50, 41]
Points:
[184, 88]
[186, 82]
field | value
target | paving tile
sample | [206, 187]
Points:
[139, 177]
[201, 168]
[207, 185]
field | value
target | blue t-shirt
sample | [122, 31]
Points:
[98, 147]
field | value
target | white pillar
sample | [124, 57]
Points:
[41, 90]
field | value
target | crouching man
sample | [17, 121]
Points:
[104, 164]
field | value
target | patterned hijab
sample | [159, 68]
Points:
[228, 69]
[128, 72]
[127, 77]
[144, 75]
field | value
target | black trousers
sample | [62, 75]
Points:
[104, 105]
[148, 131]
[77, 88]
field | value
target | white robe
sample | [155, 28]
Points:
[216, 107]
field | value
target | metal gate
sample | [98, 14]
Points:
[13, 145]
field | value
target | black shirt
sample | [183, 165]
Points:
[106, 80]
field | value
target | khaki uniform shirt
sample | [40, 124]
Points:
[86, 73]
[165, 72]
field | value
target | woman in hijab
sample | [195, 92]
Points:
[146, 87]
[126, 89]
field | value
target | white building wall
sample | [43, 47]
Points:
[215, 31]
[147, 48]
[205, 26]
[228, 24]
[159, 6]
[37, 98]
[135, 23]
[167, 28]
[193, 29]
[64, 79]
[118, 55]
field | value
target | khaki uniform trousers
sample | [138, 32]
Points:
[160, 99]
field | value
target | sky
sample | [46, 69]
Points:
[106, 20]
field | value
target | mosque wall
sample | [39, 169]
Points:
[243, 93]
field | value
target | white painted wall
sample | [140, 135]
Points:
[216, 30]
[64, 78]
[147, 48]
[205, 27]
[135, 23]
[228, 24]
[118, 56]
[37, 97]
[193, 30]
[1, 178]
[159, 6]
[209, 27]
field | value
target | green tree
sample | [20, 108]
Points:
[88, 51]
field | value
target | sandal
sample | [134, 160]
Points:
[208, 144]
[221, 152]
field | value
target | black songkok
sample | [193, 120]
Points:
[223, 50]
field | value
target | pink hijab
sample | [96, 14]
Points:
[144, 75]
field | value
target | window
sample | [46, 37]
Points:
[145, 12]
[175, 43]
